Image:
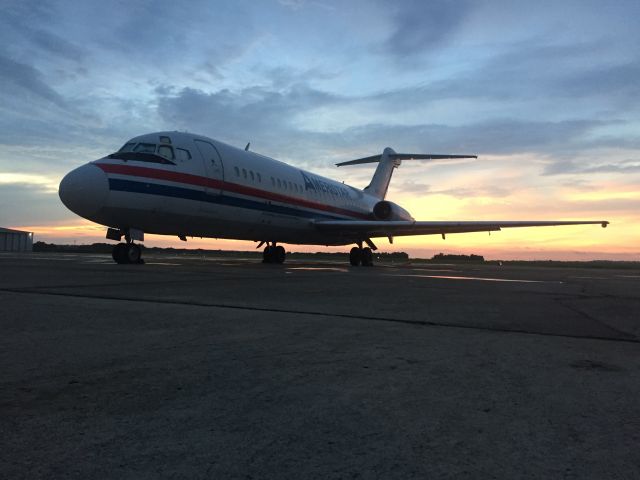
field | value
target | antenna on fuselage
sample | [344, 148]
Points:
[246, 149]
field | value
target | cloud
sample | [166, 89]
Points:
[293, 4]
[573, 167]
[278, 115]
[45, 183]
[23, 204]
[533, 77]
[251, 112]
[285, 77]
[29, 10]
[166, 35]
[474, 192]
[617, 81]
[420, 27]
[492, 136]
[18, 78]
[624, 166]
[418, 189]
[413, 187]
[56, 45]
[604, 206]
[28, 32]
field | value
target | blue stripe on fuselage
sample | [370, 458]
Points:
[200, 196]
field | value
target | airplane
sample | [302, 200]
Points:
[187, 185]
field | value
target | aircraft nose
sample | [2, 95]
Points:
[84, 190]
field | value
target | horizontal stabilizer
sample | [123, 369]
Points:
[389, 160]
[403, 156]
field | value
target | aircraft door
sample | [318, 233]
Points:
[213, 166]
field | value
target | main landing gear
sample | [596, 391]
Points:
[361, 256]
[273, 254]
[127, 253]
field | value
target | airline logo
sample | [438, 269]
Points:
[311, 182]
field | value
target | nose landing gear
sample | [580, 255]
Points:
[127, 253]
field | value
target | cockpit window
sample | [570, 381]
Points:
[164, 139]
[166, 152]
[182, 154]
[127, 147]
[141, 157]
[145, 147]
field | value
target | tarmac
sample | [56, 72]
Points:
[201, 367]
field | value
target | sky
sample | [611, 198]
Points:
[545, 93]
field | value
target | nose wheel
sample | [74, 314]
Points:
[127, 253]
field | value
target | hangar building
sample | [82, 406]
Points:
[15, 240]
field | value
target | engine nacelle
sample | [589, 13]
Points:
[385, 210]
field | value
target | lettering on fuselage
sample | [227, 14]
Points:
[311, 182]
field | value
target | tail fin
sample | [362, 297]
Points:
[389, 160]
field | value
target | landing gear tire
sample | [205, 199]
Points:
[355, 256]
[361, 256]
[367, 257]
[273, 254]
[267, 254]
[134, 253]
[119, 253]
[279, 254]
[127, 253]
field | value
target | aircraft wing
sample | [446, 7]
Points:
[395, 228]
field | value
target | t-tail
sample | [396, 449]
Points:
[387, 162]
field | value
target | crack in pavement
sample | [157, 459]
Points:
[426, 323]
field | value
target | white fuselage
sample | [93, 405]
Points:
[214, 190]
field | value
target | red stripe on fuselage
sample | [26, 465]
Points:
[160, 174]
[218, 184]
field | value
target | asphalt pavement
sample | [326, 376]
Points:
[201, 367]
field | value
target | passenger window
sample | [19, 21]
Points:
[259, 178]
[182, 154]
[166, 152]
[127, 147]
[273, 181]
[145, 147]
[290, 186]
[237, 170]
[252, 176]
[244, 173]
[279, 184]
